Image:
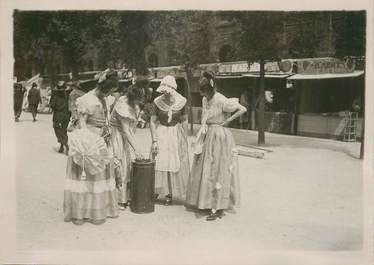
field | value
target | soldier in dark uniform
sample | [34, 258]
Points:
[19, 92]
[34, 100]
[59, 104]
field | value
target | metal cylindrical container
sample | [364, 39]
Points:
[143, 186]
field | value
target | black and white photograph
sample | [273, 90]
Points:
[190, 136]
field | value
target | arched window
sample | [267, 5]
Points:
[153, 60]
[226, 53]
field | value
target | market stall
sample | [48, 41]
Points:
[325, 90]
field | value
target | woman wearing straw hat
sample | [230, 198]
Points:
[214, 182]
[169, 142]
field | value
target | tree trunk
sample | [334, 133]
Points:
[189, 97]
[261, 109]
[75, 71]
[52, 69]
[253, 107]
[362, 147]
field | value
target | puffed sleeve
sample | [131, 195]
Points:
[123, 109]
[84, 106]
[230, 104]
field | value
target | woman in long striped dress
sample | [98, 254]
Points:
[91, 196]
[214, 181]
[123, 121]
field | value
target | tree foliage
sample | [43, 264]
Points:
[187, 34]
[262, 40]
[350, 36]
[39, 36]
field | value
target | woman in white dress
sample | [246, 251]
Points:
[169, 142]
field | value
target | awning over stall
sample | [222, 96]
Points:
[325, 76]
[229, 76]
[267, 75]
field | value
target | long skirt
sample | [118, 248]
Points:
[61, 135]
[214, 181]
[172, 162]
[93, 198]
[33, 109]
[123, 156]
[17, 106]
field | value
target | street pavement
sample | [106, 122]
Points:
[296, 198]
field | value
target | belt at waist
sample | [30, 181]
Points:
[213, 124]
[96, 122]
[169, 125]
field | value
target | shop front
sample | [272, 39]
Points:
[329, 97]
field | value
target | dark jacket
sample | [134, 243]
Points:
[60, 105]
[18, 94]
[34, 97]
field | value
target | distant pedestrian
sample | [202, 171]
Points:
[214, 181]
[59, 104]
[18, 95]
[34, 100]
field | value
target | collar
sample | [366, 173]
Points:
[179, 103]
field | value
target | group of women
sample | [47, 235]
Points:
[211, 184]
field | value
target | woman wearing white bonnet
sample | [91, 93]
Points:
[169, 141]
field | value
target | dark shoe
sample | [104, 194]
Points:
[78, 221]
[34, 120]
[122, 206]
[168, 200]
[98, 222]
[17, 119]
[156, 196]
[61, 150]
[213, 216]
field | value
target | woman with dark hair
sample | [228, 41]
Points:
[214, 181]
[90, 192]
[123, 121]
[169, 142]
[59, 104]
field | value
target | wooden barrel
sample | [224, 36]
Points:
[143, 186]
